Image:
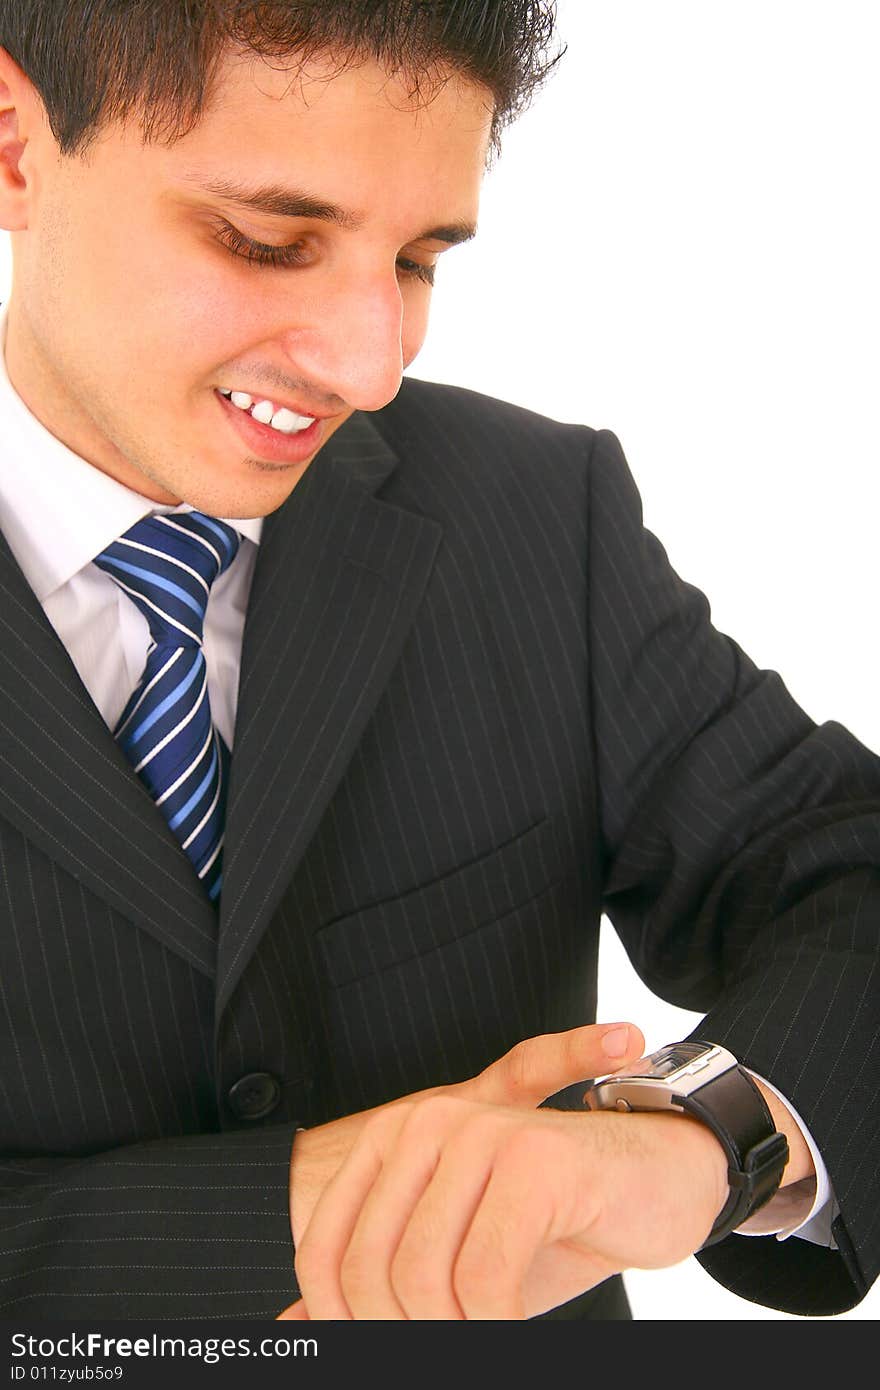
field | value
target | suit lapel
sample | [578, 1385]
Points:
[339, 579]
[69, 789]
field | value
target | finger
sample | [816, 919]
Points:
[521, 1212]
[319, 1256]
[295, 1312]
[422, 1269]
[538, 1067]
[408, 1169]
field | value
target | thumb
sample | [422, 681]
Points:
[539, 1067]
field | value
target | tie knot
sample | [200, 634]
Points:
[166, 565]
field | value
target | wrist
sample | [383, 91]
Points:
[708, 1158]
[704, 1082]
[317, 1155]
[677, 1157]
[800, 1161]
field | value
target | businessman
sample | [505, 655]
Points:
[336, 709]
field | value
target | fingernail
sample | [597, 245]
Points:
[615, 1042]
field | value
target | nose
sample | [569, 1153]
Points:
[353, 346]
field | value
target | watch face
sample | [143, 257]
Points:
[665, 1079]
[667, 1060]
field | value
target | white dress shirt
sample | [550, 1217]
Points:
[58, 512]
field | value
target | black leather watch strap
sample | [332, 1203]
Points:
[736, 1112]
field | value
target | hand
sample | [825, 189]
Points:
[448, 1208]
[526, 1075]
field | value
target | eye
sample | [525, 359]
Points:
[257, 253]
[416, 271]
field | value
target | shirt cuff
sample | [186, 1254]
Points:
[804, 1209]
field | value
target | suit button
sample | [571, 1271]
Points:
[254, 1096]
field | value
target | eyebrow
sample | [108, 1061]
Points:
[294, 202]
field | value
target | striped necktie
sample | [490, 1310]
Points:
[166, 565]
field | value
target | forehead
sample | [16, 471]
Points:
[357, 126]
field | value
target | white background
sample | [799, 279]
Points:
[680, 244]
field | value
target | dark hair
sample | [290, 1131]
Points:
[94, 62]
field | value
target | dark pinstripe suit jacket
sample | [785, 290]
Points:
[477, 707]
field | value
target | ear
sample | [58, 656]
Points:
[20, 115]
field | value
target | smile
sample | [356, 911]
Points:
[267, 441]
[278, 418]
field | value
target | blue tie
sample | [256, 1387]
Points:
[166, 565]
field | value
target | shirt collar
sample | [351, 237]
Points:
[57, 511]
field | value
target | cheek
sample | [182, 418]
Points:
[150, 275]
[184, 316]
[218, 313]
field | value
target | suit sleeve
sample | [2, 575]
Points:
[172, 1229]
[741, 847]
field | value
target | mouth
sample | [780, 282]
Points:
[291, 440]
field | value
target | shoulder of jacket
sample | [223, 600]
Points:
[431, 425]
[423, 402]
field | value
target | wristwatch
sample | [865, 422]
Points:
[705, 1080]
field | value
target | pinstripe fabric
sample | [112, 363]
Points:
[477, 707]
[166, 565]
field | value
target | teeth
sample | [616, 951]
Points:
[284, 420]
[289, 423]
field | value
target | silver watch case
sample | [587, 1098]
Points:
[640, 1087]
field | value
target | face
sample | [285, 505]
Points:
[136, 302]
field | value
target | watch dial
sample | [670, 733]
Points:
[665, 1060]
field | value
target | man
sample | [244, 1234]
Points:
[291, 959]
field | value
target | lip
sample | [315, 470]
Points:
[267, 443]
